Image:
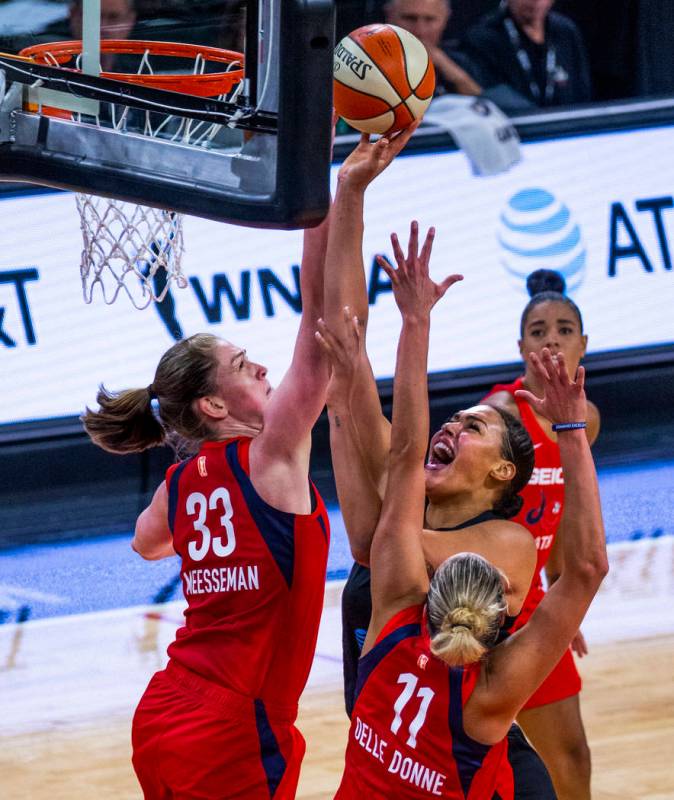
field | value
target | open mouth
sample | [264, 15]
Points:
[442, 454]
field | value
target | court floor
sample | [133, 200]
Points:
[69, 686]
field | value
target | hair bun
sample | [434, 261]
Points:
[467, 618]
[545, 280]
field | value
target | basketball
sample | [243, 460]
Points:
[384, 79]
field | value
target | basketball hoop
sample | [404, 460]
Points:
[123, 240]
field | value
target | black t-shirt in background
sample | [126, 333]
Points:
[488, 47]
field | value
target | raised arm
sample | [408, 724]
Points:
[359, 501]
[399, 576]
[345, 286]
[299, 399]
[521, 663]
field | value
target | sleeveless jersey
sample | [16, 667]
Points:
[407, 739]
[253, 577]
[544, 494]
[356, 613]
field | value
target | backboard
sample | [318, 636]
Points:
[186, 136]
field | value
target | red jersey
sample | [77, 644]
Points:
[253, 577]
[544, 494]
[407, 739]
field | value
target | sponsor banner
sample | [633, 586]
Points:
[597, 208]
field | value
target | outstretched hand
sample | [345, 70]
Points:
[369, 159]
[344, 348]
[563, 399]
[414, 290]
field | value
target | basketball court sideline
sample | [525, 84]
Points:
[69, 694]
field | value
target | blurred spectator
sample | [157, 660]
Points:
[427, 20]
[466, 13]
[655, 70]
[536, 55]
[609, 30]
[117, 19]
[232, 27]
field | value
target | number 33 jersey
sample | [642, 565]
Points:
[407, 739]
[253, 576]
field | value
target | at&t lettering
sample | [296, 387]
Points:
[18, 278]
[547, 476]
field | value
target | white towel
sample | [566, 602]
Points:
[480, 129]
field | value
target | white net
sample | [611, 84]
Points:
[130, 248]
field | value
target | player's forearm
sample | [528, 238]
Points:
[410, 423]
[397, 557]
[359, 500]
[584, 542]
[307, 377]
[344, 272]
[312, 270]
[373, 429]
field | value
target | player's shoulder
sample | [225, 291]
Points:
[504, 400]
[593, 422]
[510, 537]
[507, 529]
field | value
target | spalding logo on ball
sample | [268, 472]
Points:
[384, 79]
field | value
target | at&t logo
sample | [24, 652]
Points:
[536, 230]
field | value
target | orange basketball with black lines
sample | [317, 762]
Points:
[384, 79]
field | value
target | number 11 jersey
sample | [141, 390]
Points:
[407, 739]
[253, 577]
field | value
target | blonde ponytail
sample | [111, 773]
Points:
[466, 602]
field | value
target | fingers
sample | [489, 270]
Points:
[549, 365]
[530, 398]
[351, 321]
[388, 269]
[326, 339]
[538, 366]
[425, 255]
[413, 244]
[580, 378]
[400, 139]
[340, 349]
[450, 280]
[397, 251]
[324, 345]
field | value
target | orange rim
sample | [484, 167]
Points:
[206, 85]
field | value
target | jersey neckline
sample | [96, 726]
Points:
[484, 516]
